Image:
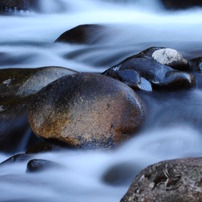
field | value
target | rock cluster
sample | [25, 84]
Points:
[160, 67]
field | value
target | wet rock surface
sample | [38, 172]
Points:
[47, 146]
[174, 180]
[86, 110]
[172, 4]
[83, 34]
[131, 78]
[158, 74]
[38, 165]
[17, 86]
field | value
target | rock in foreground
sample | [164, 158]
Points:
[86, 110]
[171, 181]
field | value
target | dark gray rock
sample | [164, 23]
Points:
[86, 110]
[171, 181]
[17, 87]
[159, 75]
[131, 78]
[47, 146]
[121, 174]
[173, 4]
[196, 64]
[38, 165]
[83, 34]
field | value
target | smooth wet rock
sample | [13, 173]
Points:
[86, 110]
[38, 165]
[17, 86]
[131, 78]
[120, 174]
[173, 4]
[171, 181]
[27, 81]
[83, 34]
[158, 74]
[170, 57]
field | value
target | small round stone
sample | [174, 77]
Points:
[170, 57]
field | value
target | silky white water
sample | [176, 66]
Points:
[27, 39]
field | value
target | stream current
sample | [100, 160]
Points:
[172, 130]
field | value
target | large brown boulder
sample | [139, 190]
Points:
[86, 110]
[171, 181]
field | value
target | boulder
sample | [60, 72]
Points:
[17, 86]
[171, 181]
[86, 110]
[47, 146]
[171, 57]
[158, 74]
[173, 4]
[83, 34]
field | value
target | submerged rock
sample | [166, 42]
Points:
[120, 174]
[173, 4]
[158, 74]
[38, 165]
[86, 110]
[170, 57]
[83, 34]
[170, 181]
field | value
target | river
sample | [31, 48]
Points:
[27, 38]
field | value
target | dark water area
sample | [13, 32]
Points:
[172, 128]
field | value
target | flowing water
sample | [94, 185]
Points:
[172, 130]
